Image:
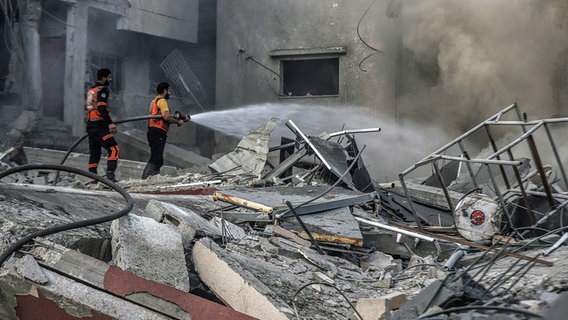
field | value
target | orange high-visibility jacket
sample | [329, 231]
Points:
[155, 110]
[96, 98]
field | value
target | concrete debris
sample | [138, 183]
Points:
[250, 155]
[310, 237]
[137, 240]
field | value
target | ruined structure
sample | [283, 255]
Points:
[310, 237]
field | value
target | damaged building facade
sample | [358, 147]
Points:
[140, 41]
[297, 230]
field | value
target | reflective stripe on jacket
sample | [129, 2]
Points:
[93, 104]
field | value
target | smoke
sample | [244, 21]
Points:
[466, 60]
[461, 62]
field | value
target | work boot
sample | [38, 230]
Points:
[149, 170]
[110, 176]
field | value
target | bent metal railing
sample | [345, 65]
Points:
[505, 121]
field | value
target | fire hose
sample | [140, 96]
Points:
[73, 225]
[76, 143]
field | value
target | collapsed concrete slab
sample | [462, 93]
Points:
[67, 284]
[237, 287]
[188, 222]
[249, 157]
[150, 249]
[25, 298]
[328, 218]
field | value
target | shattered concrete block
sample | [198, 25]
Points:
[320, 261]
[236, 286]
[381, 261]
[249, 157]
[268, 247]
[29, 269]
[231, 230]
[278, 230]
[534, 306]
[375, 308]
[384, 282]
[188, 222]
[437, 292]
[60, 298]
[320, 277]
[287, 248]
[150, 249]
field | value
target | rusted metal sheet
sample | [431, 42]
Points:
[125, 283]
[37, 306]
[242, 202]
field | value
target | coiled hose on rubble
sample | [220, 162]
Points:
[73, 225]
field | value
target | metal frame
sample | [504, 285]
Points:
[529, 130]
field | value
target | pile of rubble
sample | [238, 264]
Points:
[311, 237]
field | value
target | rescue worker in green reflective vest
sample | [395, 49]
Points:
[100, 127]
[158, 129]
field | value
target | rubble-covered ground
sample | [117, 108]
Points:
[313, 238]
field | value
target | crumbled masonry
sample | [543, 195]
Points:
[310, 237]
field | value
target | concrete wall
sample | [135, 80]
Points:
[174, 19]
[160, 29]
[258, 27]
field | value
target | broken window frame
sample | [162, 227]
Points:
[100, 60]
[325, 57]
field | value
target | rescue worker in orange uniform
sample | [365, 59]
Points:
[100, 127]
[158, 129]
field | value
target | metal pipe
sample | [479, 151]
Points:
[455, 257]
[444, 188]
[522, 188]
[395, 229]
[410, 202]
[468, 164]
[556, 155]
[320, 156]
[514, 142]
[482, 161]
[542, 174]
[243, 203]
[314, 242]
[338, 133]
[529, 123]
[556, 244]
[494, 146]
[500, 197]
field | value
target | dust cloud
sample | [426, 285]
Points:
[460, 63]
[465, 60]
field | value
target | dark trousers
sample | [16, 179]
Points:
[100, 137]
[157, 142]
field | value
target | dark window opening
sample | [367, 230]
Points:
[113, 64]
[310, 77]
